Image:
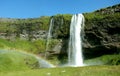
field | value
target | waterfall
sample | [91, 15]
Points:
[75, 42]
[49, 36]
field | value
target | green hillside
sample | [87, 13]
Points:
[16, 61]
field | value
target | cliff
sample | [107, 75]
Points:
[102, 35]
[27, 29]
[101, 31]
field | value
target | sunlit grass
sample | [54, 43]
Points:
[36, 47]
[25, 45]
[69, 71]
[104, 60]
[13, 61]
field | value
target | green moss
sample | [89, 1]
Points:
[61, 25]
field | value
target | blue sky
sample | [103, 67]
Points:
[37, 8]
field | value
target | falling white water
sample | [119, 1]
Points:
[49, 35]
[75, 48]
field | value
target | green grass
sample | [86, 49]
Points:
[32, 47]
[12, 61]
[69, 71]
[36, 47]
[104, 60]
[97, 19]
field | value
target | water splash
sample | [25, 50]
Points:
[43, 63]
[75, 42]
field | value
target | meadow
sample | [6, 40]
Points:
[19, 64]
[68, 71]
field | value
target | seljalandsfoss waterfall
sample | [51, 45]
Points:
[75, 42]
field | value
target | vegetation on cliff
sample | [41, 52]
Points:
[102, 36]
[102, 32]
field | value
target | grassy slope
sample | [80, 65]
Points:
[33, 47]
[13, 61]
[104, 60]
[69, 71]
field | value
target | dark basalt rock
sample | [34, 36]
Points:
[101, 33]
[102, 36]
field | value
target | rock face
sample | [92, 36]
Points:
[25, 35]
[103, 39]
[102, 34]
[33, 35]
[27, 29]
